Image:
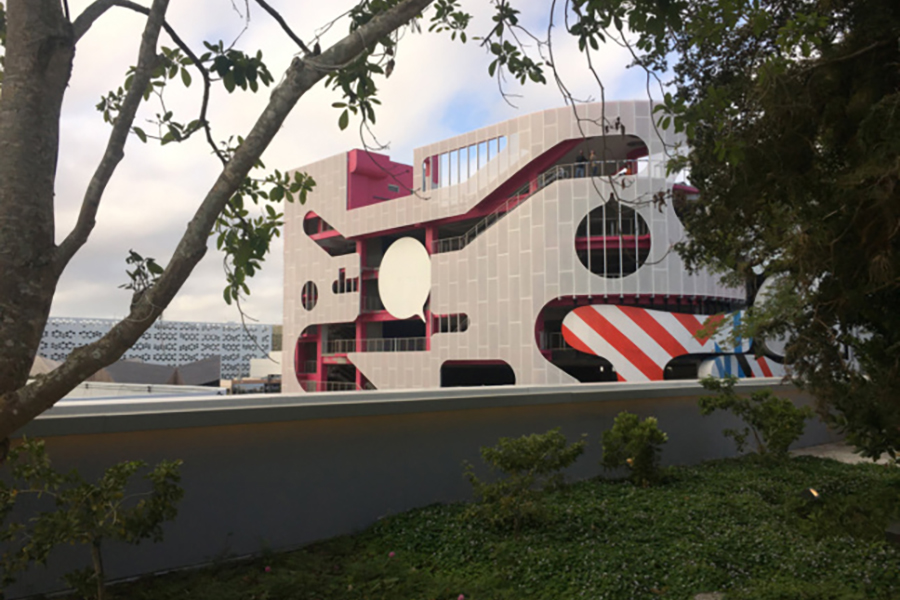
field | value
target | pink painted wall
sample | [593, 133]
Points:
[370, 174]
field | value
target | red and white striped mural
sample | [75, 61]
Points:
[741, 365]
[640, 342]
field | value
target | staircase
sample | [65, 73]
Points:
[603, 168]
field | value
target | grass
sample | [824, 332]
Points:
[737, 526]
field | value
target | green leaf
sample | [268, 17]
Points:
[276, 194]
[140, 133]
[344, 120]
[185, 77]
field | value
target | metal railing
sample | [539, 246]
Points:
[307, 366]
[330, 386]
[415, 344]
[340, 346]
[553, 341]
[372, 303]
[410, 344]
[336, 386]
[461, 241]
[597, 168]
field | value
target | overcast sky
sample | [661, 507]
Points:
[438, 89]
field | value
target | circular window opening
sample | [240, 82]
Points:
[309, 295]
[613, 240]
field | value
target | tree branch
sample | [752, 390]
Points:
[284, 25]
[117, 138]
[22, 405]
[204, 105]
[90, 14]
[204, 72]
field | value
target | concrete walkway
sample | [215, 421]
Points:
[838, 451]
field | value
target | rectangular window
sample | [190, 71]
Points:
[444, 172]
[454, 167]
[394, 188]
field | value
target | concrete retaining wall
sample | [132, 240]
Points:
[276, 472]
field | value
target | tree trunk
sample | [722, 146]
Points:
[39, 51]
[19, 404]
[99, 574]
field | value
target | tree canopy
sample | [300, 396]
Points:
[792, 111]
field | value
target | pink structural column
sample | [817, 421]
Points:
[360, 323]
[320, 361]
[429, 245]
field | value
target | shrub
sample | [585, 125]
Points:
[775, 423]
[85, 513]
[531, 463]
[634, 444]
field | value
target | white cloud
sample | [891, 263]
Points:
[438, 89]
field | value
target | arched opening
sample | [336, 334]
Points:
[344, 284]
[323, 234]
[588, 369]
[309, 295]
[452, 323]
[684, 367]
[468, 373]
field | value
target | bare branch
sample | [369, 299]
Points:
[204, 72]
[275, 15]
[114, 148]
[90, 14]
[20, 406]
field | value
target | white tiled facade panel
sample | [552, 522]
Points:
[504, 278]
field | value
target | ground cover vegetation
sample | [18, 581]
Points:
[512, 498]
[740, 526]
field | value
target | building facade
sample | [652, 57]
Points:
[534, 251]
[171, 343]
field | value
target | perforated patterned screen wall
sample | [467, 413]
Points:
[171, 343]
